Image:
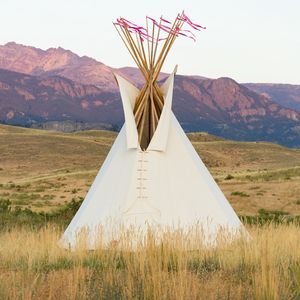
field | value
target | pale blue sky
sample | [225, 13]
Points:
[248, 40]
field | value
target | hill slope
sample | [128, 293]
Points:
[43, 169]
[27, 99]
[287, 95]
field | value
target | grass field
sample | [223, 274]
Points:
[32, 266]
[41, 172]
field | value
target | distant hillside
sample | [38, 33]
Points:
[27, 100]
[287, 95]
[225, 108]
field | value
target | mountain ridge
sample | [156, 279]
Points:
[58, 85]
[56, 61]
[287, 95]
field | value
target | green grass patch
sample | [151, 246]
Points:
[273, 175]
[11, 216]
[266, 217]
[241, 194]
[48, 197]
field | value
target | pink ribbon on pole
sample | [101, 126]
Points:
[187, 20]
[163, 25]
[164, 20]
[177, 31]
[141, 31]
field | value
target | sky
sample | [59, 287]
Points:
[247, 40]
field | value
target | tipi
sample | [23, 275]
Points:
[152, 174]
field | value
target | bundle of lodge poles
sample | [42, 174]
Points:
[149, 58]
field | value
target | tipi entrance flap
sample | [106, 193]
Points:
[129, 94]
[165, 86]
[160, 137]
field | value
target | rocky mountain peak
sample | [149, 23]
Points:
[56, 61]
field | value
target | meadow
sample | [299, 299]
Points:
[45, 175]
[43, 170]
[32, 266]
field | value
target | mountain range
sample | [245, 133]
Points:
[41, 87]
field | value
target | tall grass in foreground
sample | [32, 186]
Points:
[32, 266]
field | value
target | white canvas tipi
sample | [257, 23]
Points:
[167, 184]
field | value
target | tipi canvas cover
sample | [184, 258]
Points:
[166, 185]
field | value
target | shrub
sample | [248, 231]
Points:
[229, 177]
[5, 206]
[241, 194]
[17, 216]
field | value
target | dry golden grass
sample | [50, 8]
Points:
[32, 266]
[42, 170]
